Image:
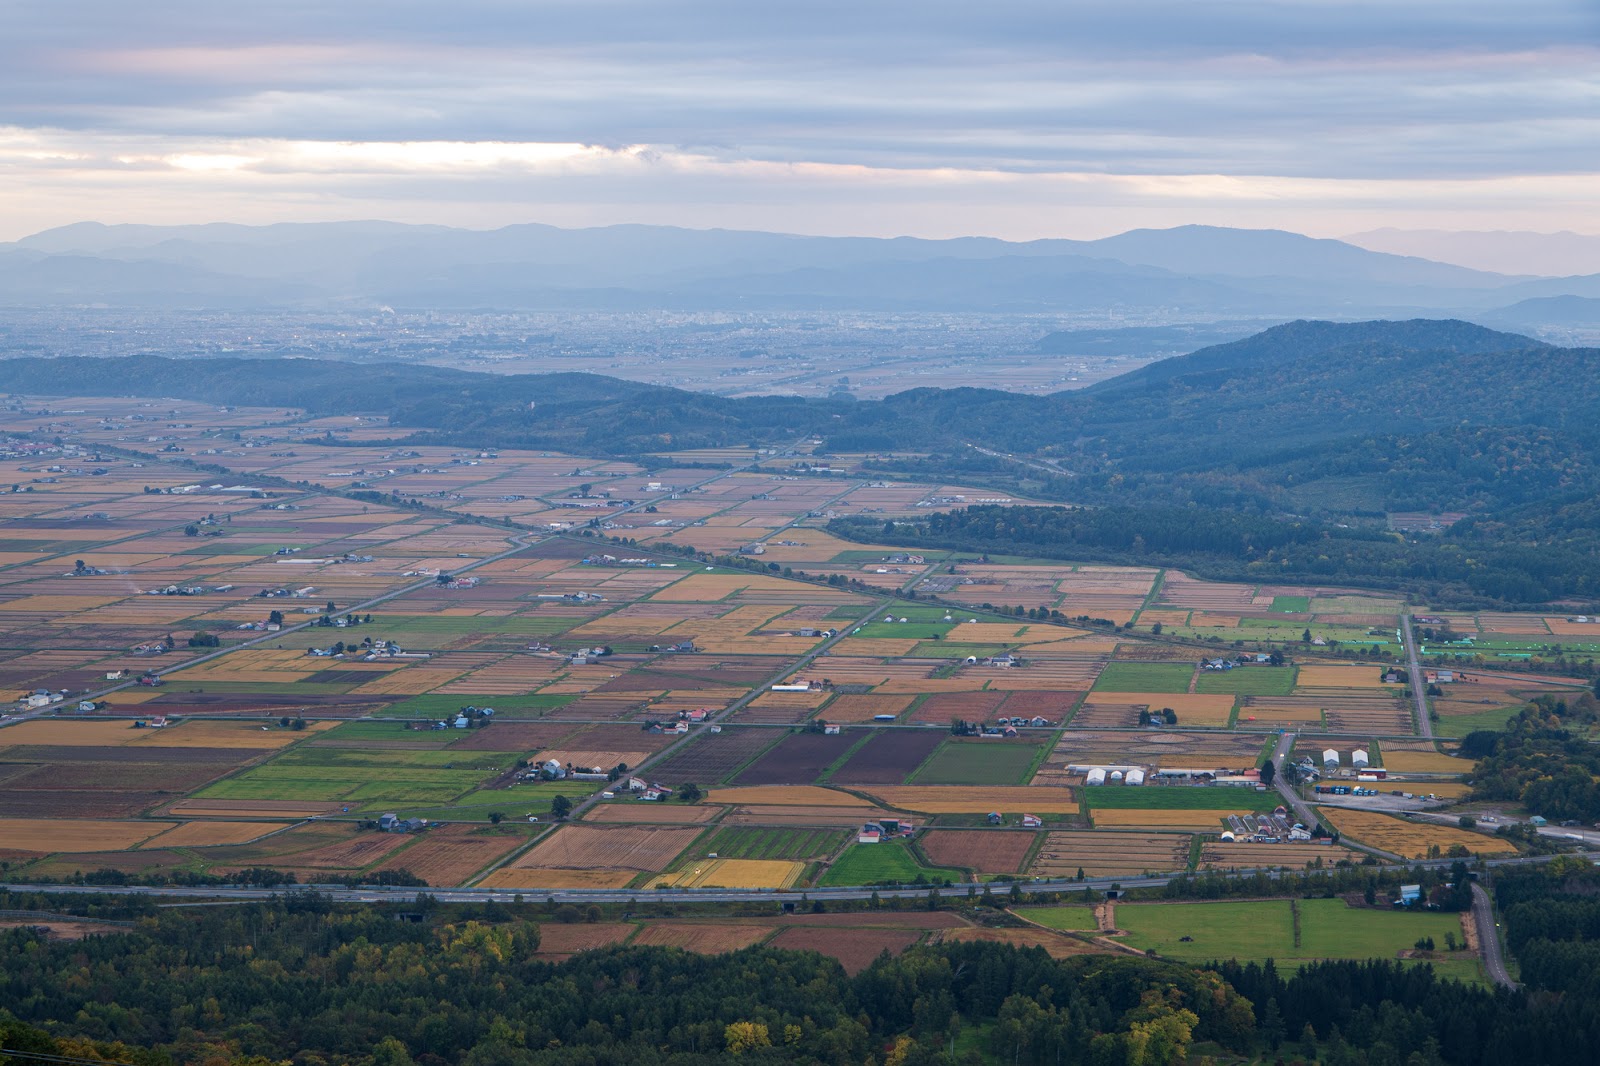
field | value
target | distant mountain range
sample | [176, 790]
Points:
[1191, 272]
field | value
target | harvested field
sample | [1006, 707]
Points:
[1325, 676]
[33, 803]
[592, 847]
[246, 735]
[979, 762]
[450, 855]
[1192, 708]
[818, 817]
[558, 939]
[514, 736]
[936, 799]
[1056, 945]
[848, 708]
[1215, 855]
[74, 733]
[359, 850]
[63, 834]
[941, 707]
[798, 759]
[988, 851]
[1410, 840]
[1163, 819]
[652, 813]
[1423, 762]
[888, 758]
[705, 938]
[211, 834]
[714, 757]
[1065, 852]
[550, 878]
[734, 873]
[786, 795]
[856, 949]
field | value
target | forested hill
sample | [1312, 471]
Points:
[1310, 417]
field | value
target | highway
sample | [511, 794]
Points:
[1419, 689]
[1489, 938]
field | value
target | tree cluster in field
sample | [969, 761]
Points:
[1539, 759]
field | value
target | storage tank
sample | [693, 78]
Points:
[1116, 777]
[1135, 777]
[1095, 777]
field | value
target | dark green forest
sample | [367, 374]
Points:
[305, 981]
[1542, 759]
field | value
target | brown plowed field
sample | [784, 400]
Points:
[224, 808]
[1065, 852]
[988, 851]
[30, 803]
[713, 757]
[705, 938]
[513, 736]
[852, 708]
[563, 940]
[362, 849]
[214, 834]
[941, 707]
[651, 813]
[856, 949]
[592, 847]
[889, 758]
[798, 759]
[451, 854]
[1221, 856]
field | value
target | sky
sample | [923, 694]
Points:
[1053, 118]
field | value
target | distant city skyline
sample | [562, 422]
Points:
[1016, 120]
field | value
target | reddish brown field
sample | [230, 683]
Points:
[988, 851]
[651, 813]
[564, 940]
[451, 854]
[968, 706]
[706, 938]
[888, 758]
[854, 948]
[1052, 705]
[361, 849]
[1055, 944]
[30, 803]
[797, 759]
[513, 736]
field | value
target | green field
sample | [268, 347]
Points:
[940, 649]
[1291, 604]
[364, 779]
[1248, 681]
[1459, 725]
[902, 630]
[866, 864]
[978, 762]
[796, 845]
[1178, 798]
[1145, 677]
[1264, 929]
[1070, 919]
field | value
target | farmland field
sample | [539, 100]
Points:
[1157, 818]
[855, 948]
[979, 799]
[797, 759]
[988, 851]
[1409, 840]
[585, 847]
[1075, 919]
[754, 843]
[733, 873]
[863, 864]
[707, 938]
[1248, 681]
[887, 758]
[1178, 798]
[1144, 677]
[979, 762]
[1097, 854]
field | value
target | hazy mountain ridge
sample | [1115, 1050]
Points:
[635, 267]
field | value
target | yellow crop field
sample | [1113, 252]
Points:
[413, 681]
[1314, 676]
[70, 733]
[58, 604]
[1104, 817]
[1269, 713]
[734, 873]
[222, 808]
[930, 684]
[958, 799]
[1409, 840]
[210, 834]
[785, 796]
[1424, 762]
[1193, 708]
[66, 834]
[558, 879]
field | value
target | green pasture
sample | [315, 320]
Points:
[1144, 677]
[1068, 919]
[1248, 681]
[793, 845]
[864, 864]
[1291, 604]
[978, 762]
[903, 630]
[1265, 929]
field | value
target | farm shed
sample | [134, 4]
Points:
[1135, 777]
[1330, 757]
[1359, 757]
[1095, 777]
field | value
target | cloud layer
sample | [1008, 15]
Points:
[1021, 119]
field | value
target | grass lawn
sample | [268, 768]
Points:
[978, 762]
[1178, 798]
[1248, 681]
[1329, 929]
[1144, 677]
[865, 864]
[1291, 604]
[1066, 918]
